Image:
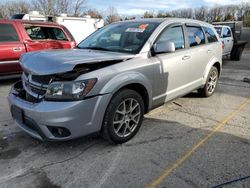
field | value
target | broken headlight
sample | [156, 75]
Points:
[69, 90]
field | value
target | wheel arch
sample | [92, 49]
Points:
[134, 81]
[214, 62]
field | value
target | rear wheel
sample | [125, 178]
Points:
[123, 116]
[211, 83]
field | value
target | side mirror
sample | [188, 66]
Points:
[164, 47]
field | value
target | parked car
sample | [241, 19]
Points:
[230, 34]
[79, 27]
[114, 77]
[227, 39]
[18, 37]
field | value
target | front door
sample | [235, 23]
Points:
[11, 49]
[173, 67]
[227, 40]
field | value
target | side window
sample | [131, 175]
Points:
[57, 34]
[211, 37]
[195, 35]
[226, 32]
[68, 33]
[173, 34]
[8, 33]
[35, 32]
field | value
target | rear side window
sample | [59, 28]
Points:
[41, 33]
[68, 33]
[8, 33]
[211, 37]
[195, 35]
[57, 34]
[173, 34]
[35, 32]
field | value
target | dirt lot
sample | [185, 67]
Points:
[190, 142]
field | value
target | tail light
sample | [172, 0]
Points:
[222, 45]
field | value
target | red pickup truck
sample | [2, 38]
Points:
[20, 36]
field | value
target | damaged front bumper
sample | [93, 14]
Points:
[49, 120]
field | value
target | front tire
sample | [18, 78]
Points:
[211, 83]
[123, 116]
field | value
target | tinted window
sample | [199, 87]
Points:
[195, 36]
[211, 37]
[39, 33]
[127, 37]
[175, 35]
[8, 33]
[57, 34]
[226, 32]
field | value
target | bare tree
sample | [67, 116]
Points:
[200, 13]
[10, 8]
[93, 13]
[230, 12]
[186, 13]
[163, 14]
[78, 7]
[62, 6]
[46, 7]
[56, 7]
[242, 10]
[112, 15]
[148, 14]
[215, 14]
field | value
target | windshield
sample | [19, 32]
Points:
[126, 37]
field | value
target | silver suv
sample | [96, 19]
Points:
[114, 77]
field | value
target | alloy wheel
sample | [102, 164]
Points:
[212, 82]
[127, 117]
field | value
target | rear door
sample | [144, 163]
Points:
[58, 38]
[11, 47]
[44, 37]
[198, 51]
[37, 38]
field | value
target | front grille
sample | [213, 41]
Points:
[35, 86]
[42, 79]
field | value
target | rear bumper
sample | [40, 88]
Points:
[39, 120]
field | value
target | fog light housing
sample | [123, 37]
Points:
[59, 132]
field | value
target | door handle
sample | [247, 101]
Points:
[186, 57]
[209, 51]
[17, 49]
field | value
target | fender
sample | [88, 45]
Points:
[208, 68]
[126, 78]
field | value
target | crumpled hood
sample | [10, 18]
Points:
[60, 61]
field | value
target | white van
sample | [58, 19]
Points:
[80, 27]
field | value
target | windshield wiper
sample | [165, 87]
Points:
[95, 48]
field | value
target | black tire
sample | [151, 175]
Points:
[205, 91]
[110, 129]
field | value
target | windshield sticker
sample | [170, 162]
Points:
[143, 26]
[135, 30]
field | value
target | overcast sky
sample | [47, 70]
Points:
[133, 7]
